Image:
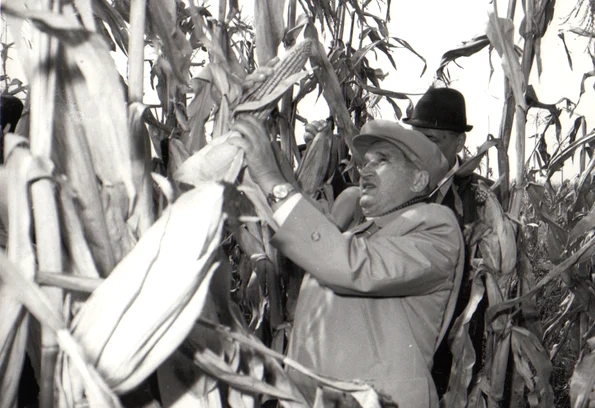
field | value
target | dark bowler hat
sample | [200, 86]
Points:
[11, 108]
[440, 108]
[416, 146]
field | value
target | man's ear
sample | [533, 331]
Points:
[461, 138]
[420, 181]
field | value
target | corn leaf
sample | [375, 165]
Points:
[533, 364]
[559, 159]
[500, 32]
[73, 159]
[462, 351]
[140, 153]
[583, 381]
[583, 253]
[199, 110]
[466, 49]
[585, 224]
[499, 367]
[327, 78]
[118, 28]
[268, 28]
[175, 45]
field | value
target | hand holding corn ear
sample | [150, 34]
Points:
[313, 128]
[259, 75]
[258, 152]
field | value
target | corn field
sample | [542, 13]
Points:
[137, 269]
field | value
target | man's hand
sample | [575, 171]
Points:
[258, 152]
[259, 75]
[313, 128]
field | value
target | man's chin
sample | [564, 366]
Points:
[367, 205]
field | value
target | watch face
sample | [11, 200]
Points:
[280, 191]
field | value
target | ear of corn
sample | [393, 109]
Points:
[499, 247]
[313, 169]
[292, 63]
[127, 327]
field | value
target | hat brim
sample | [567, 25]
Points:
[434, 125]
[363, 141]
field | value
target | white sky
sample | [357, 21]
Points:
[433, 27]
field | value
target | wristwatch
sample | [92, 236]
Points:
[280, 192]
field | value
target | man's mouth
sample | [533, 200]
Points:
[367, 186]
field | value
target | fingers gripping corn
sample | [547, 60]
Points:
[148, 304]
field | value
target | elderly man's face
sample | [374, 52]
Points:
[449, 142]
[386, 179]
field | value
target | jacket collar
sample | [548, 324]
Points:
[384, 220]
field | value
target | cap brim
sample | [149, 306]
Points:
[434, 125]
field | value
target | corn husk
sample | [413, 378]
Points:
[498, 248]
[312, 171]
[148, 304]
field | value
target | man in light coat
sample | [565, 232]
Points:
[376, 300]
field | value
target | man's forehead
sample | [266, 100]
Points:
[384, 147]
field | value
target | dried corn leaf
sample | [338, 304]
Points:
[500, 32]
[175, 45]
[88, 56]
[557, 162]
[73, 158]
[80, 255]
[110, 16]
[142, 216]
[268, 28]
[466, 49]
[331, 88]
[173, 262]
[585, 252]
[534, 365]
[462, 351]
[199, 111]
[582, 382]
[499, 367]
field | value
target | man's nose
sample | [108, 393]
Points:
[368, 167]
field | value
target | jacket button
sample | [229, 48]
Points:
[315, 236]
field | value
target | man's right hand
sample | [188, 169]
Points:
[258, 152]
[313, 128]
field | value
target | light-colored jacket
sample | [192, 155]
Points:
[373, 303]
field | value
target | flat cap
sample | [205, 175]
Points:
[424, 153]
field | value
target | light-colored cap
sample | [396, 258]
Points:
[424, 153]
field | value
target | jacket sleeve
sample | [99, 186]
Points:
[419, 261]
